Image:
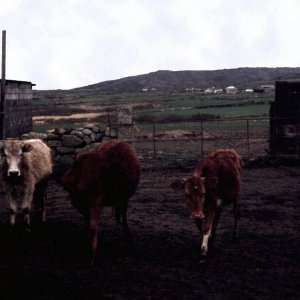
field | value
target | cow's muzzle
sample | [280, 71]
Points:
[14, 173]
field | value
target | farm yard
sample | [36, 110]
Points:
[162, 260]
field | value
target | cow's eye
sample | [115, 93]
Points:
[4, 155]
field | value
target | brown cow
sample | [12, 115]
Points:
[214, 183]
[26, 168]
[107, 176]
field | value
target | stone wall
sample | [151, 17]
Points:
[65, 144]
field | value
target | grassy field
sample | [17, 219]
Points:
[146, 107]
[184, 124]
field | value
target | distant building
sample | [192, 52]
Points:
[218, 91]
[209, 91]
[249, 90]
[194, 90]
[231, 90]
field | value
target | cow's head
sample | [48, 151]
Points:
[195, 190]
[12, 153]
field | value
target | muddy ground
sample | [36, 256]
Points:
[162, 260]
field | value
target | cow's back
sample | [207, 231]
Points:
[122, 166]
[225, 164]
[39, 159]
[111, 171]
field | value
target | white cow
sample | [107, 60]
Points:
[25, 171]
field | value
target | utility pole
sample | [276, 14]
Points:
[3, 83]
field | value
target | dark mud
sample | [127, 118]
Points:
[162, 259]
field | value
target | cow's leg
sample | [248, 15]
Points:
[207, 230]
[44, 200]
[26, 214]
[94, 220]
[236, 213]
[216, 221]
[117, 215]
[43, 210]
[125, 226]
[121, 214]
[26, 205]
[40, 198]
[124, 221]
[12, 209]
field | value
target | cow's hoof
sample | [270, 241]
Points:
[202, 259]
[92, 262]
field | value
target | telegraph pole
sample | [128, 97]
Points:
[3, 83]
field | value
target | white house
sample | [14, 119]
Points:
[218, 91]
[231, 90]
[209, 91]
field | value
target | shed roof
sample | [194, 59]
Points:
[18, 81]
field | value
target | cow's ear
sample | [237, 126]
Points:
[212, 182]
[27, 148]
[178, 185]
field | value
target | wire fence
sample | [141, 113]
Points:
[194, 139]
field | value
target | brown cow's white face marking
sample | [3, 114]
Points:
[13, 153]
[13, 161]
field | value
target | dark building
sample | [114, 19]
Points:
[285, 119]
[18, 103]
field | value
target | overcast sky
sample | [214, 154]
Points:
[63, 44]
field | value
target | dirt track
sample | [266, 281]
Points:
[162, 260]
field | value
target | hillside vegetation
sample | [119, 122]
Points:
[165, 100]
[178, 80]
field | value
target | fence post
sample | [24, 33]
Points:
[109, 124]
[201, 128]
[3, 83]
[248, 139]
[154, 145]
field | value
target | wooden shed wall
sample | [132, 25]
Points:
[285, 119]
[18, 117]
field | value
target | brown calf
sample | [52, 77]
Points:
[108, 176]
[26, 168]
[215, 182]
